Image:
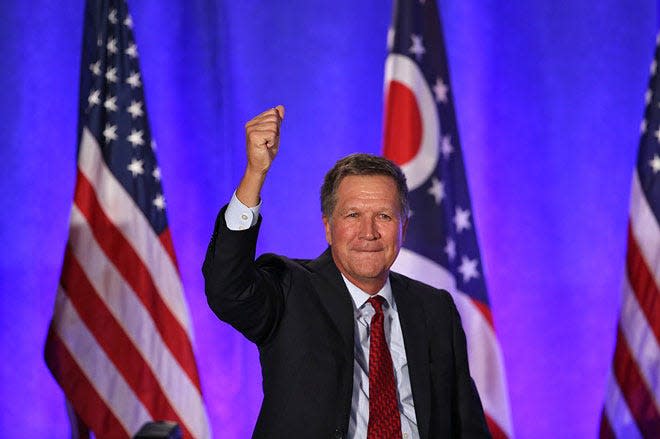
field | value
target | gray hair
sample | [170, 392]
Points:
[362, 164]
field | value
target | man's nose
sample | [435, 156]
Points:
[369, 229]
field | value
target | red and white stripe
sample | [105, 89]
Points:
[632, 403]
[120, 342]
[484, 353]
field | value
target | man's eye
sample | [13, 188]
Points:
[385, 217]
[352, 215]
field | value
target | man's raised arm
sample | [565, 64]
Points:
[237, 291]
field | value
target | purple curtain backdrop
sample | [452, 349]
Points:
[549, 96]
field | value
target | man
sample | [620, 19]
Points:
[347, 348]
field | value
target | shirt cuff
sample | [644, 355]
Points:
[240, 217]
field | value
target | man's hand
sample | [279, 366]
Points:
[262, 137]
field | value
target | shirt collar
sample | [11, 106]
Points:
[360, 297]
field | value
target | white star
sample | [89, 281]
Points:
[94, 98]
[111, 74]
[131, 50]
[112, 45]
[153, 144]
[96, 68]
[135, 109]
[468, 269]
[110, 104]
[655, 164]
[112, 16]
[136, 167]
[417, 47]
[642, 126]
[134, 79]
[135, 138]
[648, 95]
[110, 132]
[446, 148]
[654, 67]
[437, 189]
[440, 89]
[657, 134]
[159, 202]
[450, 249]
[128, 22]
[462, 219]
[156, 173]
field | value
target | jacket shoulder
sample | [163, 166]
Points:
[422, 289]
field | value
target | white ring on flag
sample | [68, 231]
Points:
[404, 70]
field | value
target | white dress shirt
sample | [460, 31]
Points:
[357, 426]
[238, 216]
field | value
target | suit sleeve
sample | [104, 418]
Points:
[470, 412]
[242, 292]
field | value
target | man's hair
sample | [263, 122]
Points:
[362, 164]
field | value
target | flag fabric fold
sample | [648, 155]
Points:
[120, 341]
[441, 248]
[632, 400]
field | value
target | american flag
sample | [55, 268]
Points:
[441, 246]
[119, 344]
[632, 401]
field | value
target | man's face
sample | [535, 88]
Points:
[366, 229]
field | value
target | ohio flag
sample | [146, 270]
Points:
[441, 246]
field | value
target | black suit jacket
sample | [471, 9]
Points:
[300, 315]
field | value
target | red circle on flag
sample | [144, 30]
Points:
[403, 124]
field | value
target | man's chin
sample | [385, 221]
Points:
[375, 272]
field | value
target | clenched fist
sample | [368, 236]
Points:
[262, 136]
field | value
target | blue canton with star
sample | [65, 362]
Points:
[648, 158]
[112, 107]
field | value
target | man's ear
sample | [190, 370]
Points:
[326, 225]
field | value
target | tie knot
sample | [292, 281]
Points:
[377, 303]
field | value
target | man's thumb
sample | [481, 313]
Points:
[280, 111]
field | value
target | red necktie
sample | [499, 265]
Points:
[384, 419]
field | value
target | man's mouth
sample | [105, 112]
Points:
[368, 250]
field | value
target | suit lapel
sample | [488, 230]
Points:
[415, 339]
[334, 296]
[336, 299]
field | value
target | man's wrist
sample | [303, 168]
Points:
[249, 190]
[238, 216]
